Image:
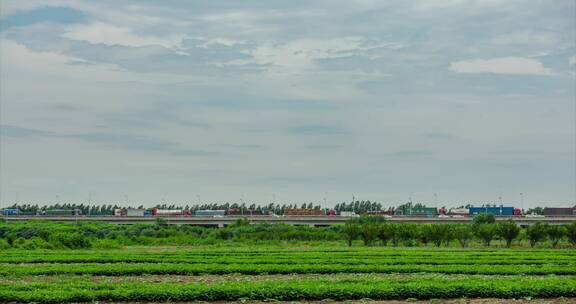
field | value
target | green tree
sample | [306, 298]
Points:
[69, 240]
[406, 233]
[536, 210]
[536, 233]
[571, 233]
[463, 233]
[484, 218]
[508, 230]
[369, 233]
[351, 232]
[424, 233]
[439, 233]
[485, 232]
[161, 222]
[555, 234]
[386, 233]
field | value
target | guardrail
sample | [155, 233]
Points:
[292, 220]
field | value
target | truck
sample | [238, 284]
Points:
[385, 213]
[553, 211]
[210, 213]
[240, 212]
[459, 212]
[497, 211]
[303, 212]
[132, 212]
[418, 212]
[170, 212]
[348, 214]
[11, 211]
[62, 212]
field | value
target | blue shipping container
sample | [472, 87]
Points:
[505, 211]
[11, 211]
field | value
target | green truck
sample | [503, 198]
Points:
[417, 211]
[62, 212]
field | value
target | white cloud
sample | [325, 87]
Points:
[113, 35]
[504, 65]
[19, 57]
[301, 54]
[572, 60]
[527, 38]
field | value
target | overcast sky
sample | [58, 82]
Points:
[289, 101]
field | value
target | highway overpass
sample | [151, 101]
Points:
[292, 220]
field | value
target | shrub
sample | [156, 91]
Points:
[369, 233]
[571, 233]
[28, 232]
[69, 240]
[4, 244]
[424, 234]
[106, 244]
[555, 234]
[406, 233]
[33, 243]
[161, 222]
[386, 233]
[223, 233]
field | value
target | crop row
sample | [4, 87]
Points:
[119, 269]
[291, 260]
[328, 253]
[379, 289]
[264, 250]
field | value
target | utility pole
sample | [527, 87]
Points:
[324, 207]
[410, 204]
[242, 204]
[89, 203]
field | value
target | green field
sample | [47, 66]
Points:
[49, 262]
[227, 273]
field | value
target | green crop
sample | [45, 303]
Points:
[83, 290]
[305, 273]
[118, 269]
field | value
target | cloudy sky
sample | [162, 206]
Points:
[449, 101]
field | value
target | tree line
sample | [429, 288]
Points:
[369, 231]
[357, 206]
[374, 230]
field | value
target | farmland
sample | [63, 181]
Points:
[89, 262]
[211, 273]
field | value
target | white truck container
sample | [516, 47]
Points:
[348, 214]
[459, 212]
[135, 212]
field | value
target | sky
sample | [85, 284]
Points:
[443, 102]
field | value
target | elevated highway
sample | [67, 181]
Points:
[292, 220]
